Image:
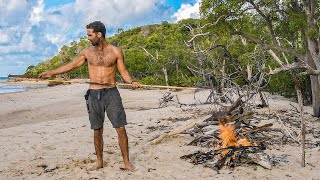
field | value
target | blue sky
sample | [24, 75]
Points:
[32, 31]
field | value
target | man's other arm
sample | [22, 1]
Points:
[123, 70]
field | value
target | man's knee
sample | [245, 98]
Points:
[98, 132]
[121, 131]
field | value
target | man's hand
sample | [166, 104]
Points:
[45, 75]
[135, 85]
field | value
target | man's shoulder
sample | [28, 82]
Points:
[86, 50]
[115, 49]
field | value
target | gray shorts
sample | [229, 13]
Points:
[104, 100]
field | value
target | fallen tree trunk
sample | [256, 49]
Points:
[175, 132]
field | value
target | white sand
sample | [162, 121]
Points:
[45, 134]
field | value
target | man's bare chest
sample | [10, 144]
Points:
[101, 58]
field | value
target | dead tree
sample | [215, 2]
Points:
[255, 82]
[309, 58]
[220, 73]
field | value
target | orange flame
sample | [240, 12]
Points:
[229, 137]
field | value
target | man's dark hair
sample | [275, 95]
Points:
[97, 26]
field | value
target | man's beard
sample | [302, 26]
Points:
[96, 43]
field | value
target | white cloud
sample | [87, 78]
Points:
[37, 13]
[15, 30]
[187, 11]
[4, 38]
[25, 45]
[14, 11]
[114, 12]
[12, 5]
[57, 39]
[62, 18]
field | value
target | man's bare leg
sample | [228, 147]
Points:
[98, 144]
[123, 143]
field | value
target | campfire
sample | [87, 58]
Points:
[236, 135]
[228, 147]
[229, 137]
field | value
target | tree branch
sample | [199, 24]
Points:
[273, 46]
[275, 57]
[149, 54]
[194, 36]
[213, 24]
[295, 66]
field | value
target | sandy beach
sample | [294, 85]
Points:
[45, 134]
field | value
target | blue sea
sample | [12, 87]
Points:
[11, 88]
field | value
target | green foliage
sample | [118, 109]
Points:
[179, 81]
[314, 32]
[282, 84]
[30, 70]
[153, 80]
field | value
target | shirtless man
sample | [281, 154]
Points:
[103, 96]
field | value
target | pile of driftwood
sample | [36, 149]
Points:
[229, 136]
[229, 144]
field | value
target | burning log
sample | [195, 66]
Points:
[211, 139]
[196, 125]
[215, 160]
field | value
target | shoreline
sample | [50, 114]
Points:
[22, 85]
[6, 88]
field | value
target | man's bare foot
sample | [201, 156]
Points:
[98, 166]
[128, 167]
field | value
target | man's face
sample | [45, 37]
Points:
[93, 37]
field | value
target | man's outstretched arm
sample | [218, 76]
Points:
[123, 70]
[79, 61]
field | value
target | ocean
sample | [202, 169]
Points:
[11, 88]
